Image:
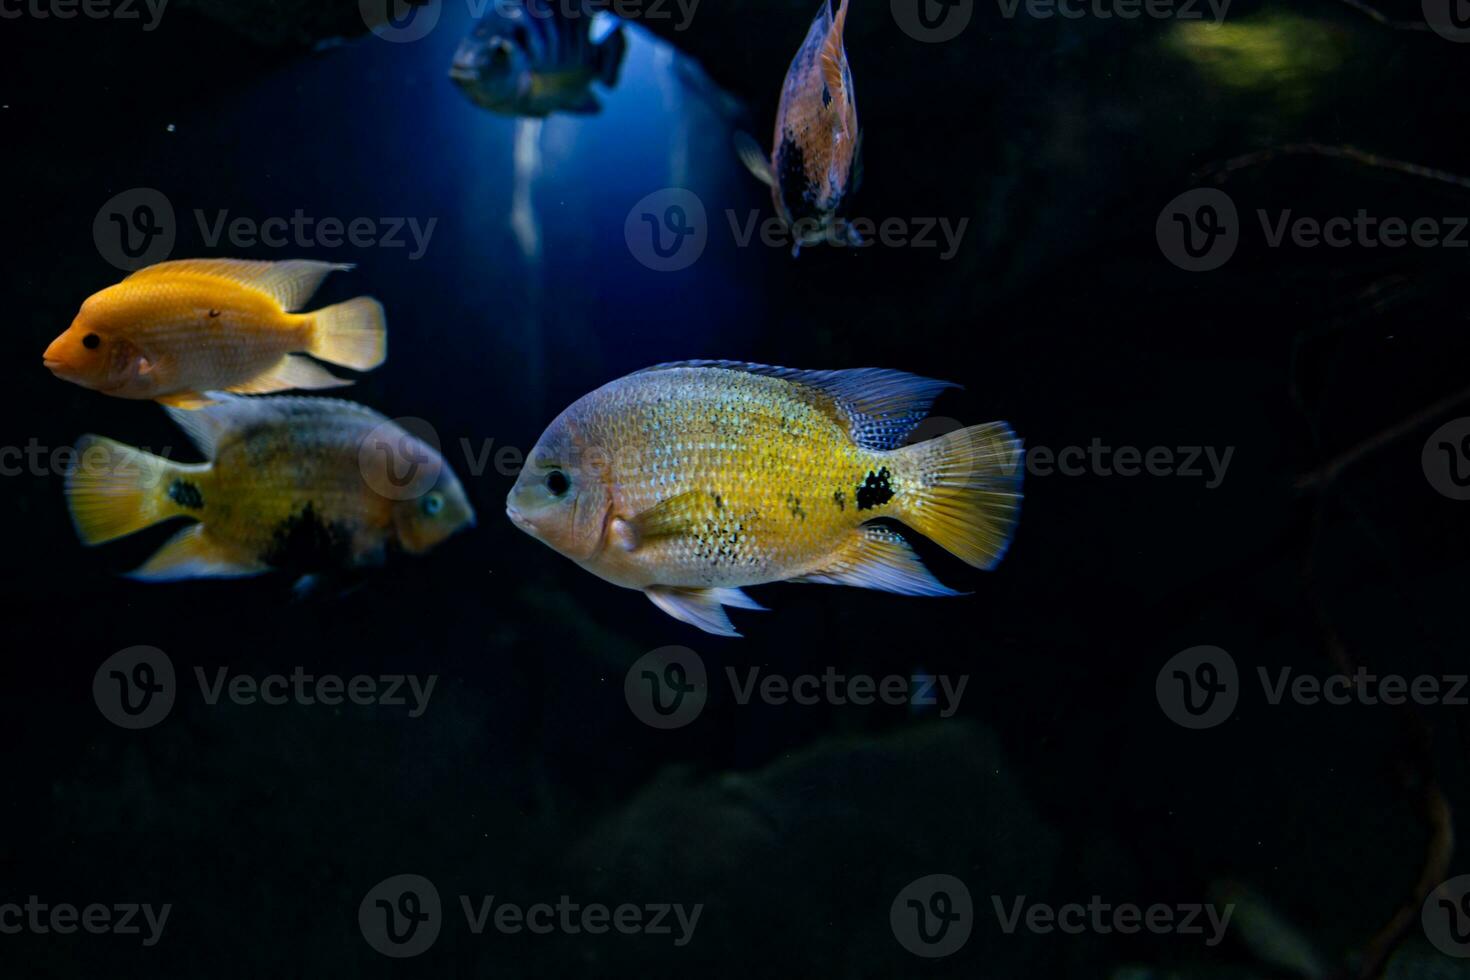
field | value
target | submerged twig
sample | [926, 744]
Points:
[1326, 473]
[1376, 15]
[1220, 171]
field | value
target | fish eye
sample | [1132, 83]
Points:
[433, 503]
[91, 341]
[500, 54]
[557, 483]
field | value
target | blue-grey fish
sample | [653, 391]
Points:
[536, 57]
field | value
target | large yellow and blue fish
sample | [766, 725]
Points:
[301, 485]
[693, 479]
[816, 154]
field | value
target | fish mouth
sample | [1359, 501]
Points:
[519, 520]
[53, 365]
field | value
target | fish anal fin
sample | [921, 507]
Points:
[293, 371]
[702, 608]
[188, 400]
[879, 558]
[192, 553]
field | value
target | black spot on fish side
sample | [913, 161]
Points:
[875, 491]
[791, 179]
[306, 542]
[826, 96]
[793, 504]
[840, 499]
[185, 494]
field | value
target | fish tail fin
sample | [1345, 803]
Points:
[353, 334]
[968, 491]
[114, 490]
[610, 51]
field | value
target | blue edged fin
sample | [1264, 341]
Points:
[193, 554]
[702, 607]
[879, 558]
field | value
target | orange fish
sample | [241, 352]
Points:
[816, 160]
[175, 330]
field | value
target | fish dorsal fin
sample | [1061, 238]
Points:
[208, 427]
[290, 283]
[701, 607]
[833, 59]
[880, 407]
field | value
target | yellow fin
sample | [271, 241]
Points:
[193, 554]
[665, 519]
[879, 558]
[353, 334]
[290, 283]
[701, 607]
[294, 371]
[185, 399]
[114, 490]
[967, 491]
[754, 158]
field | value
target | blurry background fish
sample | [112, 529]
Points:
[536, 57]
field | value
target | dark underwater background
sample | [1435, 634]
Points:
[1327, 543]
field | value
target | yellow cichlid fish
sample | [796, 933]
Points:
[172, 331]
[690, 480]
[302, 485]
[816, 154]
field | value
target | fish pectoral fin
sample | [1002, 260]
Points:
[754, 159]
[192, 553]
[703, 608]
[188, 400]
[665, 519]
[293, 371]
[879, 558]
